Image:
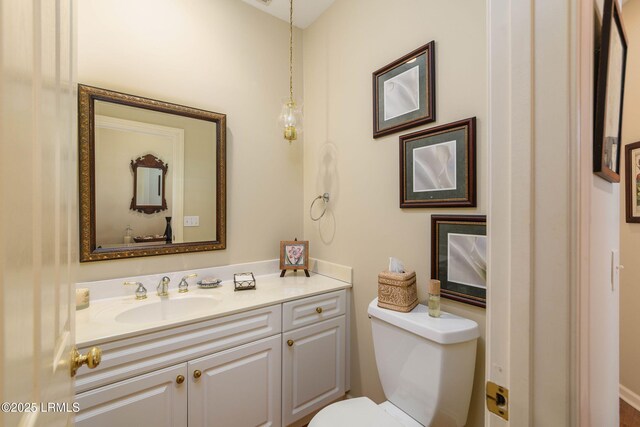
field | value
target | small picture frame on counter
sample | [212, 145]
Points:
[294, 255]
[244, 281]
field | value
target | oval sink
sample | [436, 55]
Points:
[167, 309]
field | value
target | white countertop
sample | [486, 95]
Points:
[97, 324]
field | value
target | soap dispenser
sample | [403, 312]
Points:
[128, 235]
[434, 298]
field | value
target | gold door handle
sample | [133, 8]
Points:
[197, 374]
[180, 379]
[290, 343]
[91, 359]
[318, 310]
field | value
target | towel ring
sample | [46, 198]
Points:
[325, 198]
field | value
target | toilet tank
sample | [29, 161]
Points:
[425, 364]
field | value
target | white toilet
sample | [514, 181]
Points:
[426, 368]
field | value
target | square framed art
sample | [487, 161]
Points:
[404, 92]
[294, 255]
[438, 166]
[459, 257]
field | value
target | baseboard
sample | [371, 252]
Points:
[630, 397]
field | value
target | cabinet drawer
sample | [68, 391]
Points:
[134, 356]
[307, 311]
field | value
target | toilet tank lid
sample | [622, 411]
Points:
[446, 329]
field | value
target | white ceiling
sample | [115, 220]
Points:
[304, 11]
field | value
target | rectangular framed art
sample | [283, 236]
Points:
[438, 166]
[459, 257]
[612, 62]
[632, 178]
[404, 92]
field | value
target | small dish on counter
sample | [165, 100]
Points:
[209, 282]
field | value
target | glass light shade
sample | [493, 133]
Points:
[291, 120]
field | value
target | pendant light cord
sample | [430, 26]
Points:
[291, 51]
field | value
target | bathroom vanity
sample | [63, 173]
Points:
[215, 357]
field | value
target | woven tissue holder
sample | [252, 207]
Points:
[397, 291]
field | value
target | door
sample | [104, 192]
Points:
[156, 399]
[533, 212]
[237, 387]
[313, 368]
[38, 250]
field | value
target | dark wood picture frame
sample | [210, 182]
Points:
[464, 194]
[604, 165]
[429, 101]
[632, 183]
[283, 255]
[450, 289]
[148, 161]
[87, 96]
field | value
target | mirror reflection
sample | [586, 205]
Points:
[156, 177]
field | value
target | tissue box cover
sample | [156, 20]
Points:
[397, 291]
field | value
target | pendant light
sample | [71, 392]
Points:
[291, 115]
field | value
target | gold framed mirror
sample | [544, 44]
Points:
[117, 131]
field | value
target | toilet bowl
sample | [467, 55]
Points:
[426, 368]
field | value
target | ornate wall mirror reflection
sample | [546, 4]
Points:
[174, 155]
[149, 178]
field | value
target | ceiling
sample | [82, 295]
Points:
[304, 11]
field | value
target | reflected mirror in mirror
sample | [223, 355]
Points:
[149, 187]
[145, 161]
[149, 175]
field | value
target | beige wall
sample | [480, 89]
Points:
[630, 233]
[365, 225]
[218, 55]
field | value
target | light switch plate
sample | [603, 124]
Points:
[191, 221]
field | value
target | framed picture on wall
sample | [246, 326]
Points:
[438, 166]
[459, 257]
[612, 61]
[404, 92]
[632, 178]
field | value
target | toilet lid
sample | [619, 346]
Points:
[359, 412]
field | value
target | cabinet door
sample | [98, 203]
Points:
[238, 387]
[313, 364]
[154, 399]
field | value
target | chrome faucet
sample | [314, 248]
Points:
[184, 285]
[163, 287]
[141, 291]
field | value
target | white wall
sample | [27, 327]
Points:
[365, 225]
[218, 55]
[599, 212]
[630, 232]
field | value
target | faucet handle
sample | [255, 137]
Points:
[141, 291]
[184, 285]
[163, 287]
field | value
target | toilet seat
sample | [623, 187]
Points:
[359, 412]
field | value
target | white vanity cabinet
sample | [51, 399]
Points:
[269, 366]
[313, 356]
[237, 387]
[154, 399]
